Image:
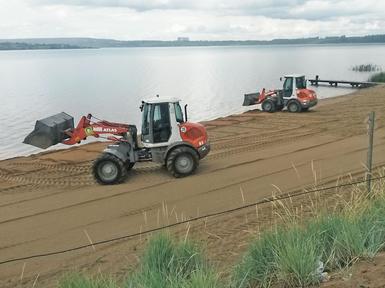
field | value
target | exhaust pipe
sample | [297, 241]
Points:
[50, 131]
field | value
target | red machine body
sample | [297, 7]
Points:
[194, 134]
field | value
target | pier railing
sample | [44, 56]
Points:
[335, 83]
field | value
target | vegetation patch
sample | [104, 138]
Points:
[164, 264]
[296, 254]
[378, 77]
[76, 280]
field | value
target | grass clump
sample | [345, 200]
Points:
[378, 77]
[76, 280]
[282, 256]
[167, 263]
[297, 258]
[258, 265]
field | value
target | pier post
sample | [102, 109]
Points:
[370, 151]
[316, 80]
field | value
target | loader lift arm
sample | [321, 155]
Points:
[86, 128]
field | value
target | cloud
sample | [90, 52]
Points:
[277, 9]
[199, 19]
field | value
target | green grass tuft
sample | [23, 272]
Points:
[297, 257]
[76, 280]
[258, 266]
[170, 264]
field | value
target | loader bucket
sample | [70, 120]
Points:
[50, 131]
[251, 99]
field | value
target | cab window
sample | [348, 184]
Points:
[178, 113]
[288, 85]
[300, 83]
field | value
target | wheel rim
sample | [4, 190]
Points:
[184, 163]
[293, 107]
[267, 106]
[108, 171]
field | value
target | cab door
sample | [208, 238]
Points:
[161, 127]
[288, 87]
[156, 127]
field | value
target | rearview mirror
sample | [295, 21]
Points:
[185, 112]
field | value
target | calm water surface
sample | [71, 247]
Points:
[110, 83]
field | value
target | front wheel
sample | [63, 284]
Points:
[109, 169]
[268, 106]
[182, 161]
[293, 107]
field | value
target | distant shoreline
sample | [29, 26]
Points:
[11, 46]
[92, 43]
[186, 46]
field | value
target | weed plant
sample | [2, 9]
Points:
[291, 255]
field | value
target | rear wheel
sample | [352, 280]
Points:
[293, 107]
[182, 161]
[109, 169]
[268, 106]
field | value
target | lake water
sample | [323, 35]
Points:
[110, 83]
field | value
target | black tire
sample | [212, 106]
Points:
[268, 106]
[109, 169]
[182, 161]
[305, 109]
[294, 107]
[129, 165]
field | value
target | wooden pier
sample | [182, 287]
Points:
[335, 83]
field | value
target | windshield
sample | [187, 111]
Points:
[300, 83]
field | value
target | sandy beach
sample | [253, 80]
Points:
[50, 201]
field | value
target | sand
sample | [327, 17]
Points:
[50, 201]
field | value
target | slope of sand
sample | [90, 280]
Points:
[50, 202]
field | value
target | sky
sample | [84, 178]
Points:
[196, 19]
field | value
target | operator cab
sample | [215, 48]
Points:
[160, 119]
[291, 84]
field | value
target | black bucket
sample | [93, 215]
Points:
[50, 131]
[251, 99]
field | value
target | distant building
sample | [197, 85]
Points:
[183, 39]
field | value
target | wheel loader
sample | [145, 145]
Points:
[294, 96]
[166, 138]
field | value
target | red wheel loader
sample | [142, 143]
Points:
[294, 96]
[167, 138]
